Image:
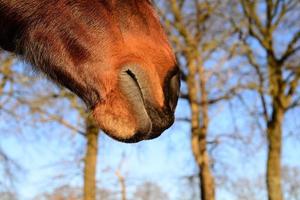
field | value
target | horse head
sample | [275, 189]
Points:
[113, 54]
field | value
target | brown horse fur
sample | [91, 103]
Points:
[112, 53]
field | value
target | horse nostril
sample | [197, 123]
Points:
[174, 88]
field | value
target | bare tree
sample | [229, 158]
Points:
[90, 159]
[197, 32]
[19, 90]
[149, 191]
[260, 25]
[247, 188]
[9, 168]
[66, 192]
[8, 196]
[291, 182]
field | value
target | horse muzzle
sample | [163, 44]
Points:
[151, 119]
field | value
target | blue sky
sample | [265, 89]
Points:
[50, 150]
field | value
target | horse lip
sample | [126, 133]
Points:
[150, 118]
[134, 78]
[131, 87]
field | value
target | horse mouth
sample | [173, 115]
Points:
[151, 121]
[132, 88]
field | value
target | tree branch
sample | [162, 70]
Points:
[291, 50]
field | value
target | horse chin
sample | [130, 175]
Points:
[125, 124]
[124, 118]
[122, 124]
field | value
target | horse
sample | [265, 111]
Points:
[113, 54]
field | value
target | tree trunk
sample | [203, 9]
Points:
[122, 184]
[206, 177]
[90, 160]
[199, 131]
[274, 131]
[207, 186]
[5, 72]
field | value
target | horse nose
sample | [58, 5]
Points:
[174, 89]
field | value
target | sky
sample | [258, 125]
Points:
[41, 157]
[48, 151]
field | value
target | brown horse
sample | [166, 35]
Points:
[113, 54]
